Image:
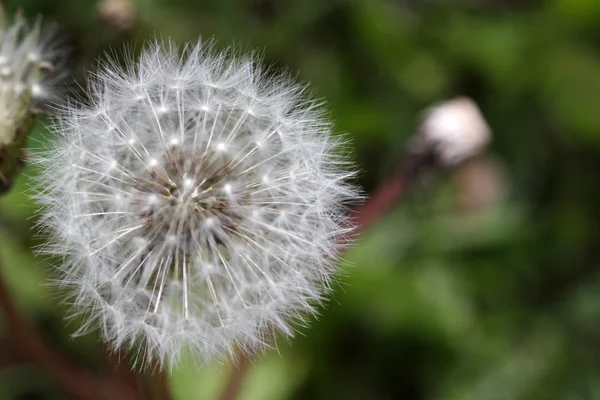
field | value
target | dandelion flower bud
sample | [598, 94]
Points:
[27, 58]
[120, 15]
[199, 203]
[455, 130]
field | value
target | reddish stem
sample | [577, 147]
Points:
[74, 380]
[236, 377]
[378, 204]
[119, 366]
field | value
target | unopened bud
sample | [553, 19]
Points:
[481, 184]
[454, 131]
[119, 14]
[27, 55]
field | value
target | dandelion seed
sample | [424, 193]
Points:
[214, 245]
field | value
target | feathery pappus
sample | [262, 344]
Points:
[198, 202]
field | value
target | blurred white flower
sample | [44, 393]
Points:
[455, 130]
[27, 68]
[198, 201]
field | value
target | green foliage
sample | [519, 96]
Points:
[438, 301]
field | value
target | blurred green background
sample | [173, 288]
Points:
[484, 282]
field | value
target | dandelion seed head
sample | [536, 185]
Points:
[200, 225]
[28, 55]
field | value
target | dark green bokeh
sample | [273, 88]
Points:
[443, 300]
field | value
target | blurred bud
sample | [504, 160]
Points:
[118, 14]
[12, 156]
[453, 131]
[481, 183]
[30, 67]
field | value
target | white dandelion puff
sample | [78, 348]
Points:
[198, 203]
[28, 69]
[454, 129]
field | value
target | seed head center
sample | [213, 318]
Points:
[184, 193]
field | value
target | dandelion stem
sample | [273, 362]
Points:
[236, 378]
[389, 192]
[74, 380]
[152, 384]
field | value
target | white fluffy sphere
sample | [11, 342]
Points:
[198, 202]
